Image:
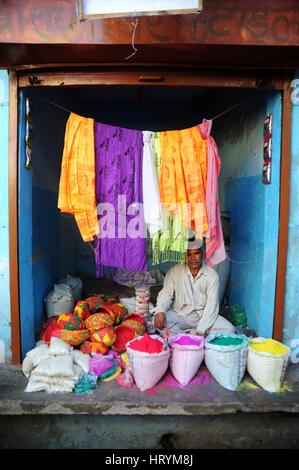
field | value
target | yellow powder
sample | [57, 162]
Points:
[270, 346]
[246, 385]
[286, 387]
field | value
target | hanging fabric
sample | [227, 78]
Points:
[151, 195]
[77, 180]
[182, 180]
[157, 152]
[119, 188]
[174, 174]
[215, 249]
[170, 243]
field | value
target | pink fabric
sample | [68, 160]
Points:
[215, 250]
[186, 341]
[125, 379]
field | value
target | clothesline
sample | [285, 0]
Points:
[212, 119]
[231, 108]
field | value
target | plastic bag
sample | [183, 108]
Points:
[238, 315]
[60, 366]
[59, 347]
[75, 284]
[38, 354]
[81, 359]
[59, 300]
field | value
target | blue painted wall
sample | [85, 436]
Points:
[26, 287]
[291, 313]
[39, 221]
[45, 248]
[271, 217]
[48, 138]
[5, 332]
[253, 207]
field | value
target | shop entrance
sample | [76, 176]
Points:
[50, 245]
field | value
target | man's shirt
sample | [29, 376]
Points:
[183, 293]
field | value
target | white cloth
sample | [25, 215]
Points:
[185, 294]
[193, 242]
[190, 322]
[150, 187]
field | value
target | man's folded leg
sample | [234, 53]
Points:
[221, 325]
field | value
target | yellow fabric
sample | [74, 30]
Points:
[77, 180]
[170, 243]
[270, 346]
[183, 176]
[125, 358]
[113, 376]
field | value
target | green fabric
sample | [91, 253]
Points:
[109, 372]
[226, 341]
[170, 243]
[156, 149]
[85, 384]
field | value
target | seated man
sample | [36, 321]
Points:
[191, 290]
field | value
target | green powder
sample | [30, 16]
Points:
[226, 341]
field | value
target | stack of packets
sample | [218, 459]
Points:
[142, 294]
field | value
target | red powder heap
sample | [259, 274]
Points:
[147, 344]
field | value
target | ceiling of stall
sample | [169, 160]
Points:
[142, 107]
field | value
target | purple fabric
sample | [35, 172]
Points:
[99, 364]
[118, 153]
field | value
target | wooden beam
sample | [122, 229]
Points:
[285, 178]
[13, 218]
[207, 79]
[220, 22]
[65, 57]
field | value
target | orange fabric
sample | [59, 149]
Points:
[183, 176]
[77, 180]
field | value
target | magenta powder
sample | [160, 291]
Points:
[187, 341]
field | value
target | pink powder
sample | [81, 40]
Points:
[187, 341]
[151, 391]
[147, 344]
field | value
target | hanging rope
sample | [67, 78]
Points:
[231, 108]
[55, 104]
[133, 40]
[211, 119]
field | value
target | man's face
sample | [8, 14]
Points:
[194, 259]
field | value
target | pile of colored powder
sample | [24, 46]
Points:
[187, 341]
[147, 344]
[226, 341]
[270, 346]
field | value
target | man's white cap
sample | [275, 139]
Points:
[193, 242]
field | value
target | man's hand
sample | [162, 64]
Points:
[160, 320]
